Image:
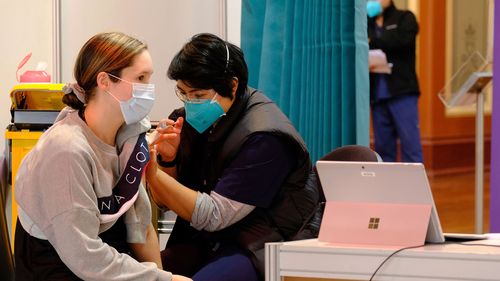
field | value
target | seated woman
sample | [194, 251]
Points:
[83, 211]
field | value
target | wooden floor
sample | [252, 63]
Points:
[454, 199]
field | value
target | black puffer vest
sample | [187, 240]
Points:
[203, 158]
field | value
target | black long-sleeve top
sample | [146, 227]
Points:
[397, 40]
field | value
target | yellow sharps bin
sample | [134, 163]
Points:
[34, 109]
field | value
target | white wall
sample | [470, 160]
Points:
[234, 21]
[164, 25]
[23, 30]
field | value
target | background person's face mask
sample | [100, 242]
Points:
[140, 104]
[203, 113]
[373, 8]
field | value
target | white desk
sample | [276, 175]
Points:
[438, 262]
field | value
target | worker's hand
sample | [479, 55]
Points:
[169, 138]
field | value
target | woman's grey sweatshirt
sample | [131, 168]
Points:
[57, 187]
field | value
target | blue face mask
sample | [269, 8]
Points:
[373, 8]
[202, 114]
[140, 104]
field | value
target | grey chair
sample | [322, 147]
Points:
[6, 258]
[351, 153]
[359, 153]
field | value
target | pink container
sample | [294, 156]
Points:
[37, 76]
[32, 76]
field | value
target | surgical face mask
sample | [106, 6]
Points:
[201, 114]
[140, 104]
[373, 8]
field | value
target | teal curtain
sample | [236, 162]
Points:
[311, 58]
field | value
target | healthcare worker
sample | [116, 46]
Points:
[232, 167]
[394, 96]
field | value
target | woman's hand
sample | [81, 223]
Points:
[169, 139]
[180, 278]
[149, 250]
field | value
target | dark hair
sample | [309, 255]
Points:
[202, 63]
[104, 52]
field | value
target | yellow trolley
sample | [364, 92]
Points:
[34, 109]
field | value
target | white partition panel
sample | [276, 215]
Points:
[165, 25]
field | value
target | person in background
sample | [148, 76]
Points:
[231, 166]
[394, 96]
[83, 211]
